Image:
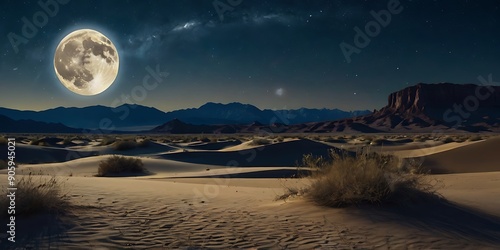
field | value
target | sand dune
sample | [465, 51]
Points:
[482, 156]
[88, 167]
[286, 154]
[224, 213]
[201, 199]
[424, 149]
[214, 145]
[37, 154]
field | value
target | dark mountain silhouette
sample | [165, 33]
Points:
[419, 108]
[425, 108]
[93, 117]
[137, 117]
[28, 126]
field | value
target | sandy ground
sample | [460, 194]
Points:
[188, 201]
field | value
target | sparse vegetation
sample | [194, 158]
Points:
[420, 138]
[107, 141]
[279, 139]
[37, 196]
[205, 139]
[475, 138]
[144, 143]
[3, 141]
[38, 142]
[447, 139]
[368, 178]
[338, 139]
[3, 164]
[123, 145]
[260, 141]
[116, 165]
[378, 141]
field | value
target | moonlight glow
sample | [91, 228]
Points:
[86, 62]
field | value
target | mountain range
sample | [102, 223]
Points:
[131, 117]
[443, 107]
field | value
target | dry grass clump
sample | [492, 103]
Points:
[36, 196]
[475, 138]
[123, 145]
[116, 165]
[3, 164]
[3, 141]
[338, 139]
[447, 139]
[108, 140]
[206, 139]
[128, 144]
[39, 142]
[367, 178]
[144, 143]
[420, 138]
[378, 141]
[260, 141]
[67, 141]
[278, 139]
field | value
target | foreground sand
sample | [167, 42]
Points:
[181, 206]
[220, 213]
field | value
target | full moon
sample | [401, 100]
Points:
[86, 62]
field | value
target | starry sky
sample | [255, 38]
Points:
[272, 54]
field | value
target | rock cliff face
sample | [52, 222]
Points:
[437, 97]
[427, 108]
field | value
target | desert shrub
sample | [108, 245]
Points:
[144, 143]
[39, 142]
[36, 196]
[366, 138]
[448, 139]
[279, 139]
[366, 178]
[419, 138]
[123, 145]
[260, 141]
[377, 141]
[35, 141]
[460, 138]
[205, 139]
[107, 141]
[67, 141]
[475, 138]
[3, 164]
[338, 139]
[315, 138]
[116, 165]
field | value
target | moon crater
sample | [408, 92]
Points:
[86, 62]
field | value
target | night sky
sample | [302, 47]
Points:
[272, 54]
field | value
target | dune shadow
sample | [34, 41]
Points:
[438, 215]
[127, 174]
[40, 231]
[268, 174]
[278, 155]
